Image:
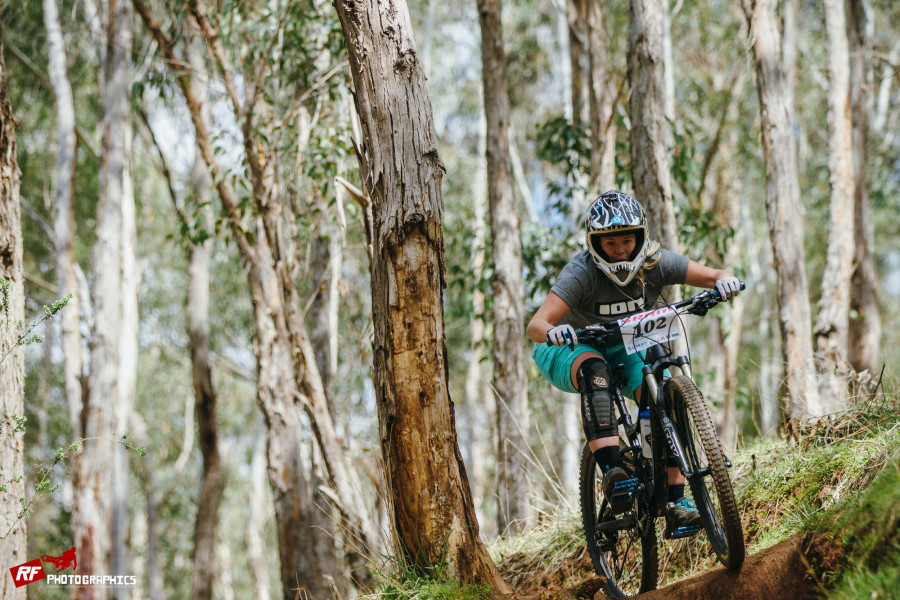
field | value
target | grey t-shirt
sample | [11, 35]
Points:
[594, 298]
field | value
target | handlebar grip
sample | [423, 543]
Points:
[718, 296]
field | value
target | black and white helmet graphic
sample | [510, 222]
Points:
[615, 213]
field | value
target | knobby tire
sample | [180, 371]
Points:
[703, 450]
[633, 566]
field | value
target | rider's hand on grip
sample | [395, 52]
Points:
[729, 287]
[562, 335]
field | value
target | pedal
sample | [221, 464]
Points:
[616, 524]
[626, 487]
[683, 532]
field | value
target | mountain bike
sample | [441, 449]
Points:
[674, 423]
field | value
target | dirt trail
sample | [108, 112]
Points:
[783, 571]
[786, 571]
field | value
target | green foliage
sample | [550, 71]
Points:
[27, 335]
[43, 484]
[545, 251]
[566, 146]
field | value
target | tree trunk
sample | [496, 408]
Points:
[64, 229]
[432, 505]
[12, 364]
[668, 60]
[601, 104]
[100, 519]
[276, 390]
[474, 381]
[513, 486]
[783, 210]
[864, 343]
[650, 167]
[323, 311]
[255, 534]
[576, 15]
[327, 249]
[832, 321]
[212, 476]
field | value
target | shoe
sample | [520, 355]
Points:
[682, 519]
[618, 488]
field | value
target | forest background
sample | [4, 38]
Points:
[282, 193]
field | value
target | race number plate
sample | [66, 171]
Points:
[647, 328]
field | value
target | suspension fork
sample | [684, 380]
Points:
[656, 391]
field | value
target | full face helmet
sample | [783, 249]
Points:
[615, 213]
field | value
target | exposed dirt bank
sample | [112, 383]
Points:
[787, 571]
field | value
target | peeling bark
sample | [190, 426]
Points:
[433, 516]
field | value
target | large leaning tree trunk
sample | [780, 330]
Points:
[12, 365]
[649, 162]
[513, 486]
[433, 515]
[64, 225]
[864, 336]
[783, 211]
[832, 320]
[100, 520]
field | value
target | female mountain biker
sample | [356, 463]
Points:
[621, 272]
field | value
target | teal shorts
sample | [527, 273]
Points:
[555, 364]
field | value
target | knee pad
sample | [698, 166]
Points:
[597, 413]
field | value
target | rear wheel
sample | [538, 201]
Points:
[622, 547]
[705, 456]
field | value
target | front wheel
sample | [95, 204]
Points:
[622, 547]
[705, 457]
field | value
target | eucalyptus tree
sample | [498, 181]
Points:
[509, 382]
[401, 170]
[212, 477]
[649, 162]
[12, 357]
[864, 343]
[601, 101]
[783, 210]
[287, 374]
[832, 320]
[100, 519]
[64, 203]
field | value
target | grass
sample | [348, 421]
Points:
[399, 578]
[550, 550]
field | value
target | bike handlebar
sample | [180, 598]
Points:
[610, 334]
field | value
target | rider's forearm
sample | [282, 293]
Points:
[704, 277]
[537, 329]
